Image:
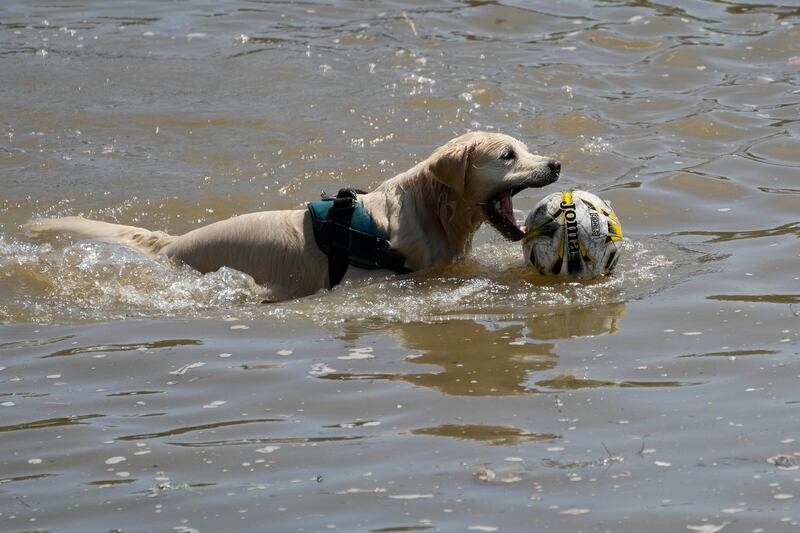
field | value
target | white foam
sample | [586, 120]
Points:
[97, 281]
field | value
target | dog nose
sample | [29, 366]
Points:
[555, 166]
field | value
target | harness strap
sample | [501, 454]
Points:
[338, 234]
[364, 246]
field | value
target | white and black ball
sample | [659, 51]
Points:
[572, 233]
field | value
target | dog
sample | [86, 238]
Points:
[428, 214]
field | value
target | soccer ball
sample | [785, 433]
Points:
[572, 233]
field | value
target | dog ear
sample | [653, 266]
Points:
[450, 165]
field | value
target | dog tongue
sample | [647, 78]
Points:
[507, 208]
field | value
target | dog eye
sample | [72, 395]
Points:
[508, 154]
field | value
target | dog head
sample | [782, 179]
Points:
[487, 170]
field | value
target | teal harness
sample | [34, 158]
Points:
[348, 236]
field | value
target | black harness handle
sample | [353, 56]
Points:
[339, 235]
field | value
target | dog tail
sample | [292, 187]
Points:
[146, 241]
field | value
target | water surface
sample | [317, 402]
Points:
[140, 396]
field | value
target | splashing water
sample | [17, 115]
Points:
[496, 283]
[97, 281]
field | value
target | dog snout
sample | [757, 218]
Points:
[555, 167]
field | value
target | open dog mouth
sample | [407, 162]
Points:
[499, 210]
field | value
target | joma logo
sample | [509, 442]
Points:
[572, 227]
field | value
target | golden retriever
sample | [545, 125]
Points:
[430, 213]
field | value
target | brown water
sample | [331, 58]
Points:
[138, 396]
